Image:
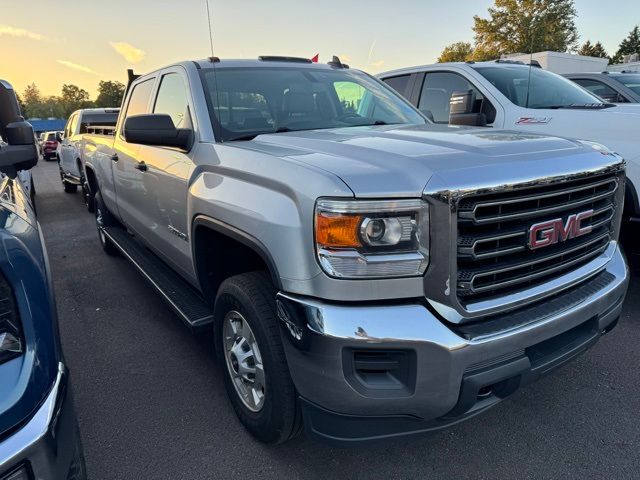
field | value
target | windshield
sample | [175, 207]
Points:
[548, 90]
[245, 102]
[630, 81]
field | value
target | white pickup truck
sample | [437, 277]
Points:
[507, 94]
[70, 148]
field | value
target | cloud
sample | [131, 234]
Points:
[75, 66]
[128, 51]
[377, 64]
[19, 32]
[344, 57]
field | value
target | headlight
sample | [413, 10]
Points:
[11, 344]
[372, 238]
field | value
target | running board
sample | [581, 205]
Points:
[185, 300]
[72, 179]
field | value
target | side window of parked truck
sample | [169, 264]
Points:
[139, 99]
[436, 93]
[399, 84]
[172, 100]
[74, 124]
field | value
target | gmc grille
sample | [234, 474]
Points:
[494, 256]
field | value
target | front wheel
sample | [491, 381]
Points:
[104, 219]
[256, 374]
[69, 187]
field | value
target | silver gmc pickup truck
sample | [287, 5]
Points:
[367, 274]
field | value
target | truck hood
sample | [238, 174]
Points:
[399, 161]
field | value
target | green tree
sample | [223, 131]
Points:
[483, 53]
[109, 94]
[31, 101]
[593, 50]
[629, 45]
[52, 107]
[74, 98]
[527, 26]
[20, 104]
[456, 52]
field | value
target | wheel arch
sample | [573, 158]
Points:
[631, 201]
[221, 251]
[92, 180]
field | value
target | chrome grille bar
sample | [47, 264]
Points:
[470, 285]
[469, 245]
[612, 186]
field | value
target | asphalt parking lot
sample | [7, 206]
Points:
[151, 403]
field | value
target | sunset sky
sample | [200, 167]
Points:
[82, 42]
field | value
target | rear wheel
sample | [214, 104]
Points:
[256, 374]
[89, 201]
[104, 219]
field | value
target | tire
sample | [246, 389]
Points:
[249, 300]
[69, 187]
[104, 219]
[89, 201]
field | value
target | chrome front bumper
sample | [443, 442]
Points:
[48, 443]
[454, 375]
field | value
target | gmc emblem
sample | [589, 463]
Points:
[554, 231]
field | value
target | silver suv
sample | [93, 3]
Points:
[366, 273]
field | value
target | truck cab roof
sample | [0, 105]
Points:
[268, 61]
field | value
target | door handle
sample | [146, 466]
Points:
[141, 166]
[114, 157]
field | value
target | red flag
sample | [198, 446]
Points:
[314, 59]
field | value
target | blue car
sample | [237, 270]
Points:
[38, 428]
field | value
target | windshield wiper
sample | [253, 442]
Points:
[577, 106]
[377, 122]
[251, 136]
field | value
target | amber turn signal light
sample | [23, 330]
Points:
[337, 231]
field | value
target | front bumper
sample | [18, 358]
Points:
[48, 445]
[420, 373]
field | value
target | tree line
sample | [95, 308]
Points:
[529, 26]
[35, 105]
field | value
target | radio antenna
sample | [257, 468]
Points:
[210, 29]
[532, 30]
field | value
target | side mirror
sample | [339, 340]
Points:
[19, 152]
[156, 130]
[461, 110]
[610, 98]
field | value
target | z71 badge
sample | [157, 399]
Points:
[533, 120]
